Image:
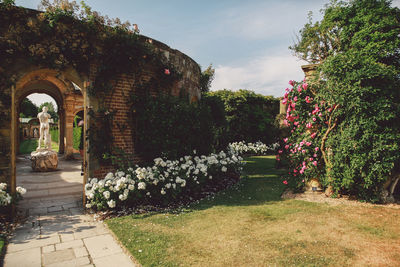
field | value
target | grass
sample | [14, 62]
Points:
[76, 136]
[29, 145]
[250, 225]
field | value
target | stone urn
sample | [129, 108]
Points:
[44, 160]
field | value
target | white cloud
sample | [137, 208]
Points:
[267, 75]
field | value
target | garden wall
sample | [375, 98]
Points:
[62, 79]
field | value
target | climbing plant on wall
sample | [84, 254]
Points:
[70, 35]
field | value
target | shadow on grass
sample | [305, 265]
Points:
[259, 185]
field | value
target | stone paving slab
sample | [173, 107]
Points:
[57, 233]
[24, 258]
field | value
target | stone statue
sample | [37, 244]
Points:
[44, 118]
[46, 159]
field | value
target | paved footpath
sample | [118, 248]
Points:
[57, 232]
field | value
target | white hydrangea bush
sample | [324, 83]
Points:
[257, 148]
[5, 198]
[162, 182]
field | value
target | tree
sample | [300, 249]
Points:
[357, 48]
[28, 109]
[206, 78]
[51, 110]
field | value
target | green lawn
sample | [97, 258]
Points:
[29, 145]
[250, 225]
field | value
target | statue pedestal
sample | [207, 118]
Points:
[44, 160]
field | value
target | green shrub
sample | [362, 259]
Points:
[250, 117]
[171, 127]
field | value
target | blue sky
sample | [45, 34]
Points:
[246, 41]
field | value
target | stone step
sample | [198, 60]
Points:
[54, 193]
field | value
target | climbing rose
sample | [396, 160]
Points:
[166, 71]
[285, 182]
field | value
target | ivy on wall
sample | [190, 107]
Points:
[70, 35]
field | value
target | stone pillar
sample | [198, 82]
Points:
[69, 127]
[61, 130]
[309, 70]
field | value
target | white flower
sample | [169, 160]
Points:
[131, 187]
[3, 186]
[168, 185]
[111, 203]
[21, 190]
[106, 194]
[224, 169]
[141, 186]
[148, 194]
[88, 205]
[163, 191]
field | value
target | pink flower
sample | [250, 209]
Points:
[295, 99]
[313, 135]
[296, 123]
[280, 151]
[310, 159]
[316, 149]
[285, 182]
[166, 71]
[284, 101]
[305, 85]
[291, 82]
[287, 147]
[301, 171]
[314, 119]
[294, 170]
[315, 155]
[299, 89]
[302, 180]
[320, 115]
[309, 125]
[285, 140]
[293, 105]
[315, 163]
[308, 143]
[303, 151]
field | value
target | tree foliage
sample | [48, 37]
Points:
[206, 78]
[357, 47]
[28, 109]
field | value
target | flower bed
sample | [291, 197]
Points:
[257, 148]
[163, 183]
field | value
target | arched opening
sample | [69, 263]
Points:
[29, 124]
[68, 93]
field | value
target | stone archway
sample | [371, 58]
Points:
[69, 92]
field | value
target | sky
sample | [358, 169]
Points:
[245, 41]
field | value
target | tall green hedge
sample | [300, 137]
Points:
[249, 116]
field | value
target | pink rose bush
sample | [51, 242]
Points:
[305, 118]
